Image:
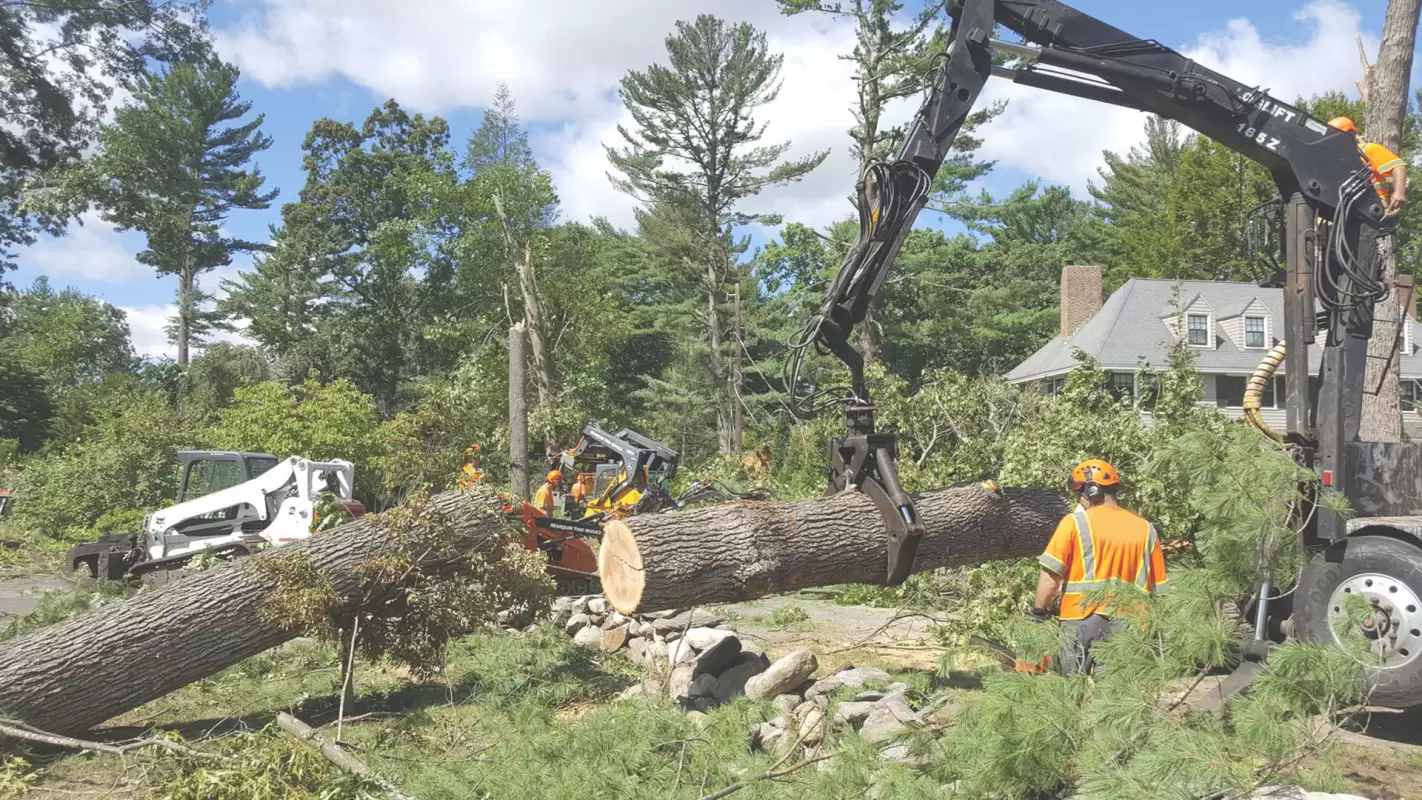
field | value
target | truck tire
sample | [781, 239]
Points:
[1387, 573]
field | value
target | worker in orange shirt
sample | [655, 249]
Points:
[543, 499]
[1389, 170]
[1100, 545]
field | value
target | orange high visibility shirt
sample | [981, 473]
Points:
[1382, 162]
[543, 499]
[1099, 546]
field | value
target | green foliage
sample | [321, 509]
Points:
[411, 600]
[211, 379]
[787, 617]
[66, 337]
[173, 165]
[25, 405]
[61, 605]
[313, 420]
[270, 766]
[121, 460]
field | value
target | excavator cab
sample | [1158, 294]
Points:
[206, 471]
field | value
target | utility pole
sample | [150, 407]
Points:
[1384, 89]
[518, 412]
[736, 376]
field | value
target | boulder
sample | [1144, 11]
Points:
[888, 718]
[714, 659]
[767, 735]
[748, 646]
[637, 650]
[679, 652]
[703, 686]
[652, 615]
[576, 623]
[812, 727]
[697, 718]
[633, 692]
[679, 684]
[787, 702]
[588, 637]
[562, 604]
[639, 628]
[785, 674]
[655, 652]
[854, 677]
[732, 682]
[579, 605]
[852, 714]
[614, 638]
[597, 605]
[695, 618]
[703, 638]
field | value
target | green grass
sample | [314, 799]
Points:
[787, 617]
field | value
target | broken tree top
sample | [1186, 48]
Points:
[744, 550]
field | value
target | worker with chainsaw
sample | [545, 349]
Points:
[543, 499]
[1389, 170]
[1099, 547]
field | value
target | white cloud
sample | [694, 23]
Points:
[146, 325]
[92, 250]
[1061, 138]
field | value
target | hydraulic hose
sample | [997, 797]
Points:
[1254, 392]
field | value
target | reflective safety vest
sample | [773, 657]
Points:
[1381, 162]
[1103, 546]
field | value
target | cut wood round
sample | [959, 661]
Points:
[71, 676]
[744, 550]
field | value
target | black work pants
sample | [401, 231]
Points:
[1078, 635]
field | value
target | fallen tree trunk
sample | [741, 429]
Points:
[68, 677]
[744, 550]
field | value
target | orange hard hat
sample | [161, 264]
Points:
[1343, 124]
[555, 476]
[1093, 471]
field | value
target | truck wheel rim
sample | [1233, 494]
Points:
[1392, 625]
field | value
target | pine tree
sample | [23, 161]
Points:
[696, 145]
[174, 166]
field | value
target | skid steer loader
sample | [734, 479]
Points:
[229, 504]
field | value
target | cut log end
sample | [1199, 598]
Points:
[619, 565]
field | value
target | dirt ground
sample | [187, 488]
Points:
[18, 596]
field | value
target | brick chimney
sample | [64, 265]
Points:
[1081, 297]
[1406, 295]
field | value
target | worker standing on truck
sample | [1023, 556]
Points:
[1102, 544]
[1389, 170]
[544, 498]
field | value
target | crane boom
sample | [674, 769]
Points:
[1333, 220]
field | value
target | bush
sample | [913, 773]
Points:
[314, 420]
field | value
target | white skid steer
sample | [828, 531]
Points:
[230, 504]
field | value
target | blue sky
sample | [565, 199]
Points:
[307, 59]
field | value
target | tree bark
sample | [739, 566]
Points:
[532, 317]
[745, 550]
[185, 290]
[1386, 85]
[518, 412]
[68, 677]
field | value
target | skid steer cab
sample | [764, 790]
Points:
[229, 504]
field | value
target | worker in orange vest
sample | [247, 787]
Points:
[1389, 170]
[1100, 545]
[543, 499]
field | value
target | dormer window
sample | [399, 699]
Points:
[1253, 332]
[1197, 327]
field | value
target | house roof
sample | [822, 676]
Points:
[1131, 325]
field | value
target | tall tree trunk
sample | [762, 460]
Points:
[521, 258]
[740, 551]
[185, 292]
[518, 412]
[71, 676]
[1386, 85]
[737, 380]
[718, 360]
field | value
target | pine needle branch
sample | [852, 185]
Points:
[769, 775]
[19, 730]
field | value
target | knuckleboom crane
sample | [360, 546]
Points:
[1332, 218]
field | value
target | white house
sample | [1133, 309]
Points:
[1230, 327]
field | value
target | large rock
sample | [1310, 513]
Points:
[577, 622]
[703, 638]
[812, 727]
[850, 677]
[888, 718]
[655, 652]
[787, 702]
[703, 686]
[749, 646]
[852, 714]
[695, 618]
[663, 614]
[597, 605]
[732, 682]
[785, 674]
[637, 650]
[579, 605]
[714, 659]
[588, 637]
[679, 684]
